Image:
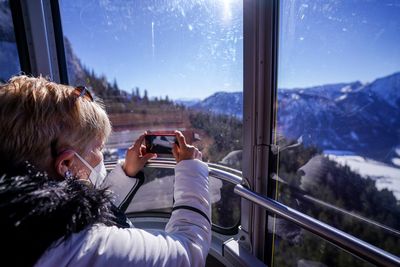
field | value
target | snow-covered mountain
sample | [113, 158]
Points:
[388, 88]
[364, 118]
[223, 103]
[359, 119]
[330, 91]
[187, 102]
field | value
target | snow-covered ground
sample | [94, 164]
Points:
[386, 176]
[396, 161]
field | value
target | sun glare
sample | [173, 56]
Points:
[227, 9]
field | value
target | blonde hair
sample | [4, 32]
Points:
[38, 116]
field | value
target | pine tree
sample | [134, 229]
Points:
[115, 85]
[137, 92]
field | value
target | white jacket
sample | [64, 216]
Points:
[185, 241]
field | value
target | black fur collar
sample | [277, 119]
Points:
[36, 211]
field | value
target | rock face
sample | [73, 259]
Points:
[6, 24]
[76, 73]
[363, 118]
[9, 61]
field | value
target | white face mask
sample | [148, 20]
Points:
[98, 173]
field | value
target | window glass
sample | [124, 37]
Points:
[156, 195]
[298, 247]
[338, 116]
[163, 65]
[9, 60]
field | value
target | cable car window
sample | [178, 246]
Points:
[162, 65]
[156, 195]
[298, 247]
[9, 60]
[338, 118]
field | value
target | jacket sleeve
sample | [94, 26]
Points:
[191, 216]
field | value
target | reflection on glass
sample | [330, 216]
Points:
[162, 65]
[297, 247]
[156, 195]
[9, 60]
[338, 117]
[225, 209]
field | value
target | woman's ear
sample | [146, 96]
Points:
[63, 162]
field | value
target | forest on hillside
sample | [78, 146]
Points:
[219, 134]
[333, 194]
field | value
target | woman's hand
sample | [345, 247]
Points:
[136, 157]
[184, 151]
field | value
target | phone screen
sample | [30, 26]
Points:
[160, 144]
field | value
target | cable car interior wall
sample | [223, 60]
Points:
[295, 106]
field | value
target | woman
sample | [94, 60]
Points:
[55, 198]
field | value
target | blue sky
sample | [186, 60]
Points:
[186, 49]
[193, 48]
[338, 41]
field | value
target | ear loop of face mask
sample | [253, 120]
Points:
[96, 177]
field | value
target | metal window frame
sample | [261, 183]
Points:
[59, 41]
[260, 44]
[40, 37]
[20, 36]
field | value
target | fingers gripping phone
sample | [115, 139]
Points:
[160, 142]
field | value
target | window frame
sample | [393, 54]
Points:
[20, 35]
[38, 38]
[260, 44]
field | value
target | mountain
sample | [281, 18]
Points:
[223, 103]
[388, 89]
[363, 118]
[329, 90]
[75, 69]
[8, 49]
[6, 24]
[187, 102]
[358, 119]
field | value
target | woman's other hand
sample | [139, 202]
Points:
[136, 157]
[184, 151]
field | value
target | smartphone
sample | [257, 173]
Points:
[160, 142]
